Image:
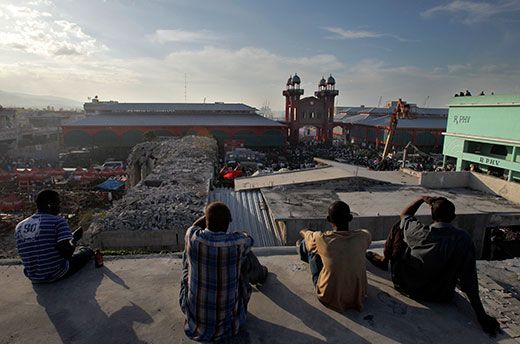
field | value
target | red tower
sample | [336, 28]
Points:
[327, 93]
[315, 111]
[292, 94]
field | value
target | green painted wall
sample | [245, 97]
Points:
[486, 116]
[490, 117]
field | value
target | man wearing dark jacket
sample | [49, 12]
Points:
[429, 261]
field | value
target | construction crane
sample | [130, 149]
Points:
[426, 102]
[401, 111]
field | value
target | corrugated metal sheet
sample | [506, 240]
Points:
[145, 107]
[384, 121]
[250, 214]
[174, 119]
[352, 111]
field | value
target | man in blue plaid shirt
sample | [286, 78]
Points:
[218, 268]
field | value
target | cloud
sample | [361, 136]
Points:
[474, 11]
[366, 81]
[340, 33]
[40, 3]
[252, 75]
[28, 29]
[176, 35]
[249, 74]
[350, 34]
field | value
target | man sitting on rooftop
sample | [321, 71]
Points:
[427, 262]
[217, 270]
[46, 245]
[337, 260]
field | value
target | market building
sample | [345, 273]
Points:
[371, 125]
[483, 134]
[125, 124]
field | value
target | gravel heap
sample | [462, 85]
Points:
[174, 180]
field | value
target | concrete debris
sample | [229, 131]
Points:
[171, 179]
[500, 295]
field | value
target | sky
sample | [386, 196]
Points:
[243, 51]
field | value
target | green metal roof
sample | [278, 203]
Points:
[491, 100]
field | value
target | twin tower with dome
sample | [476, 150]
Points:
[314, 111]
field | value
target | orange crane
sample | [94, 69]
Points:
[401, 111]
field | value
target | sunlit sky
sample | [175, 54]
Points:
[244, 51]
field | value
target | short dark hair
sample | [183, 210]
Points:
[45, 197]
[339, 213]
[218, 216]
[443, 210]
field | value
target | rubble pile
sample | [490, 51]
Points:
[171, 179]
[7, 241]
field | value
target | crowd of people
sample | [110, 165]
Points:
[302, 156]
[218, 268]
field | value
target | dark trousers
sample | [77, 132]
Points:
[395, 247]
[314, 260]
[252, 271]
[78, 260]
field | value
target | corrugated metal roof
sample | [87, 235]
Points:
[170, 107]
[430, 111]
[250, 214]
[352, 111]
[384, 121]
[173, 119]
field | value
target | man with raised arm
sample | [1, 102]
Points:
[337, 260]
[218, 268]
[427, 262]
[46, 245]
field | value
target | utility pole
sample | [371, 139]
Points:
[185, 89]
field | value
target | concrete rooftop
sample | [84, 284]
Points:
[334, 170]
[378, 200]
[135, 300]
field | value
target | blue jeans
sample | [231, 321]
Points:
[314, 260]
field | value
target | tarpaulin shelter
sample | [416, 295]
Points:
[111, 185]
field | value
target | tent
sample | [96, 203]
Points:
[110, 184]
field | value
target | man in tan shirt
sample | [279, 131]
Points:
[337, 260]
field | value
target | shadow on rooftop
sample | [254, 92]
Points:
[72, 307]
[272, 333]
[311, 316]
[417, 321]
